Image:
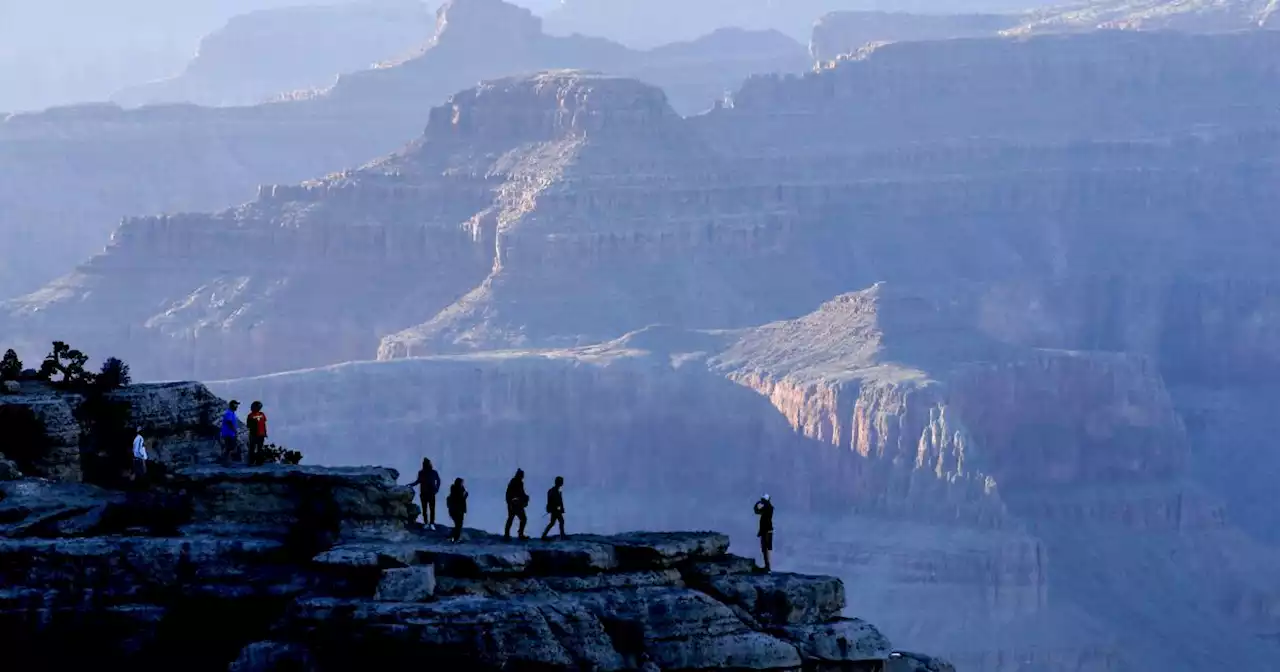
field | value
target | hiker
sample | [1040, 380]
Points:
[456, 502]
[764, 509]
[517, 501]
[139, 456]
[555, 507]
[257, 422]
[429, 482]
[230, 449]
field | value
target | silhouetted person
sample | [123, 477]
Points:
[257, 422]
[517, 502]
[764, 509]
[555, 507]
[139, 457]
[230, 450]
[429, 484]
[456, 502]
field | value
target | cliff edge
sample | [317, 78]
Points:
[274, 568]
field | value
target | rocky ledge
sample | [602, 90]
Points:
[310, 568]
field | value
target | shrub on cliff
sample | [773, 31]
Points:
[64, 367]
[273, 454]
[114, 374]
[10, 366]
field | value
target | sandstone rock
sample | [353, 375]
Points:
[279, 501]
[407, 584]
[646, 550]
[841, 641]
[11, 387]
[840, 33]
[367, 113]
[783, 599]
[380, 602]
[181, 420]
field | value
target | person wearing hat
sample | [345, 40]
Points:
[764, 509]
[230, 448]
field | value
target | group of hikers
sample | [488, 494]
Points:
[229, 433]
[428, 484]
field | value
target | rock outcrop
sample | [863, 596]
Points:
[840, 33]
[643, 23]
[1199, 16]
[261, 55]
[488, 231]
[319, 569]
[59, 436]
[920, 459]
[846, 32]
[182, 158]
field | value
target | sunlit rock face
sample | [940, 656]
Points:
[175, 157]
[975, 310]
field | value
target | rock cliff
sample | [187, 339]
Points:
[182, 158]
[319, 569]
[1201, 16]
[840, 33]
[846, 32]
[61, 438]
[920, 459]
[261, 55]
[1089, 165]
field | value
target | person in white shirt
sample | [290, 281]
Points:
[139, 456]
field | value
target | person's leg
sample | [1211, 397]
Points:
[766, 547]
[524, 520]
[457, 528]
[550, 524]
[511, 515]
[431, 503]
[560, 519]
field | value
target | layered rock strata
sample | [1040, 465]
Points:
[338, 578]
[179, 158]
[258, 56]
[840, 33]
[593, 188]
[919, 458]
[181, 421]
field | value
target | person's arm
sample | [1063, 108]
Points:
[435, 481]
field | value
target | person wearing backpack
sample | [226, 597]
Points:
[456, 502]
[555, 507]
[517, 502]
[429, 484]
[257, 422]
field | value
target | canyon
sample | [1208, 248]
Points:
[181, 158]
[843, 32]
[322, 568]
[993, 320]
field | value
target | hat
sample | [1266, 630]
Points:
[766, 497]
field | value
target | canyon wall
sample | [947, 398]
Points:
[909, 453]
[182, 158]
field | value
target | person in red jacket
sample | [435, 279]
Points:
[257, 422]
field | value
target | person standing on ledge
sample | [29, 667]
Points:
[517, 501]
[555, 507]
[456, 502]
[429, 484]
[139, 457]
[764, 509]
[257, 422]
[229, 448]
